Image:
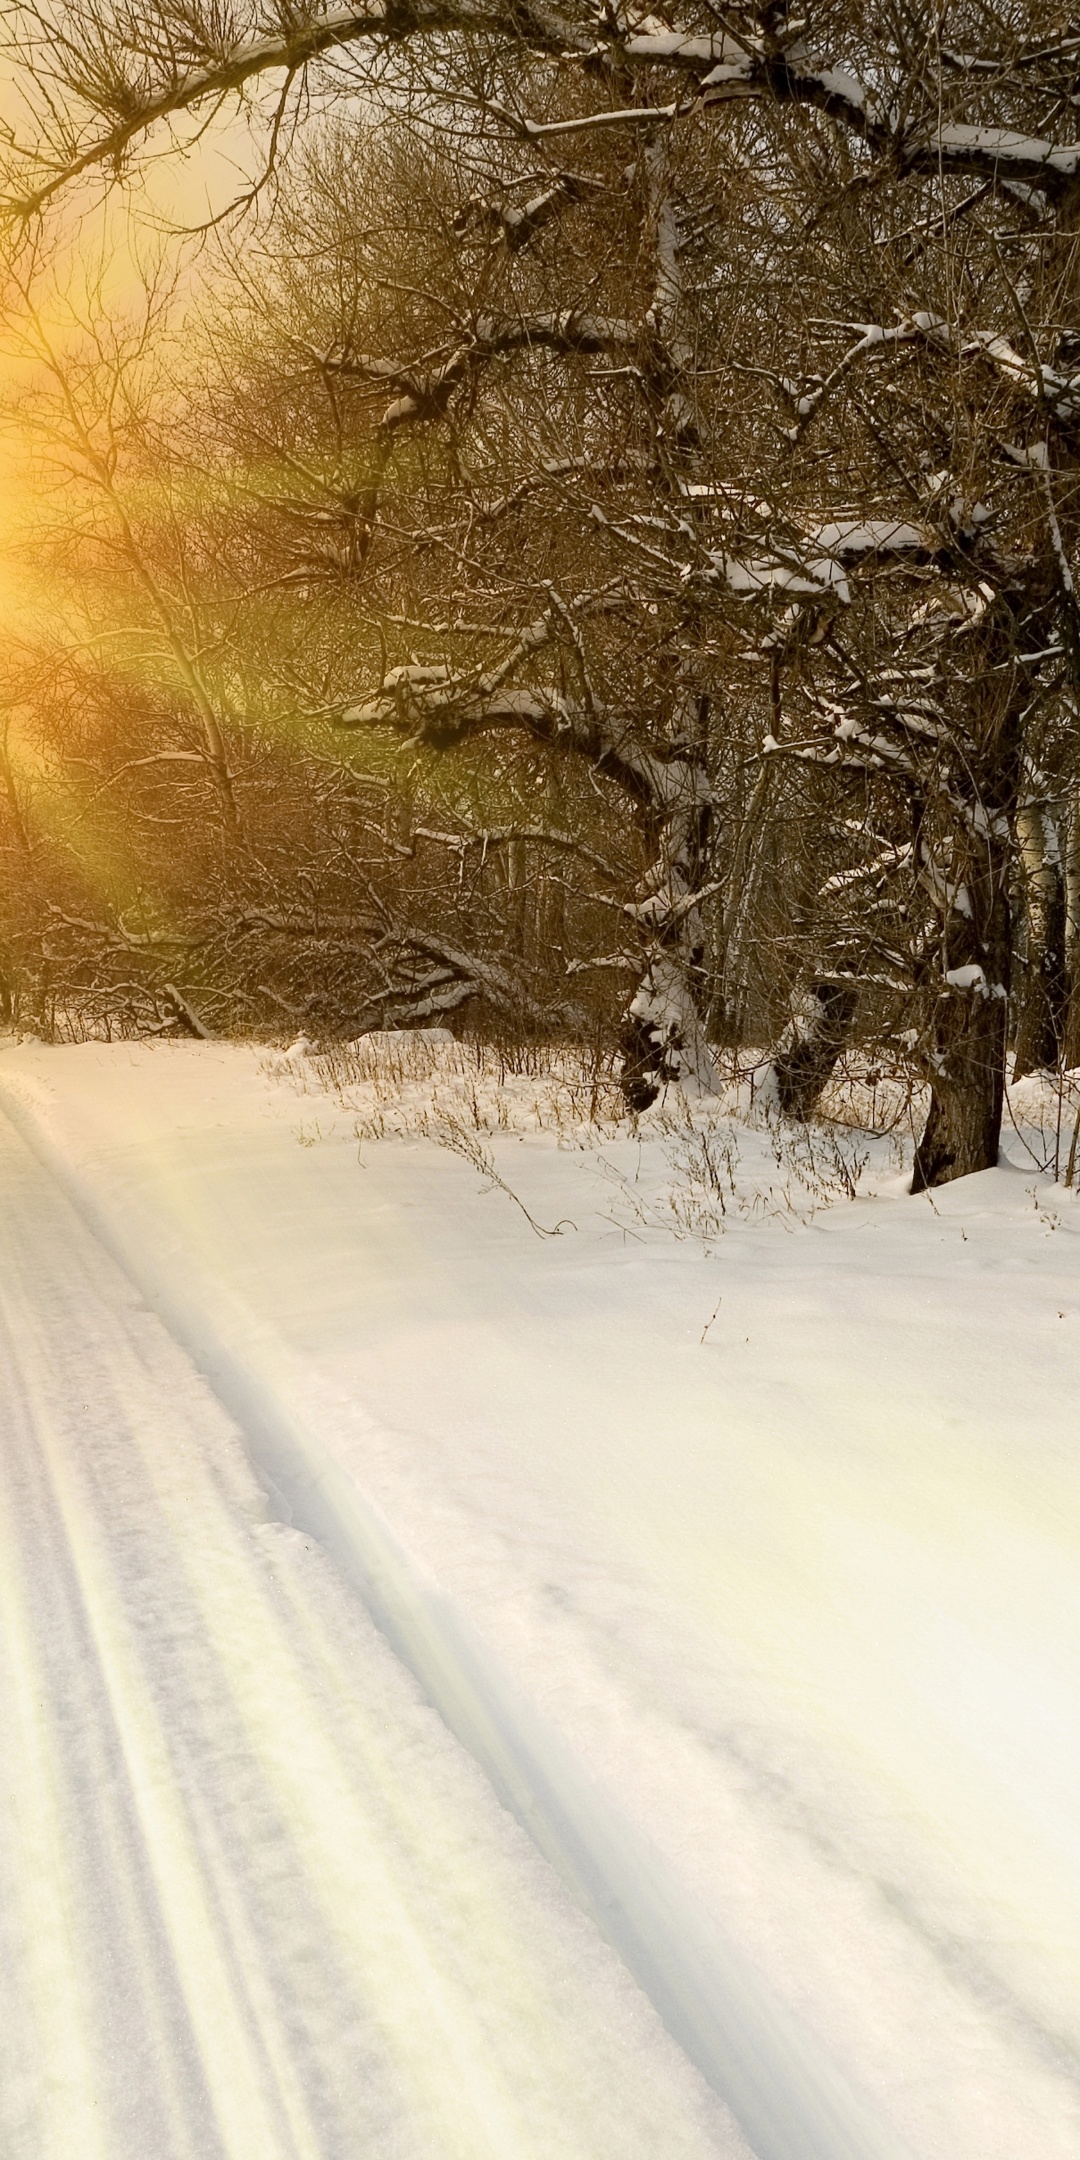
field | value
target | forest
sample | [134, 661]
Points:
[539, 1080]
[577, 544]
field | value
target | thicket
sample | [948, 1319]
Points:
[593, 559]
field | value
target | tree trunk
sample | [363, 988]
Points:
[806, 1057]
[662, 1038]
[516, 898]
[963, 1130]
[744, 880]
[966, 1065]
[964, 842]
[1072, 935]
[1041, 1016]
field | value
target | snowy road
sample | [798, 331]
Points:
[254, 1901]
[768, 1632]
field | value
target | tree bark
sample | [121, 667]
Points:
[809, 1050]
[662, 1038]
[963, 1130]
[969, 1027]
[517, 898]
[1043, 993]
[1071, 1048]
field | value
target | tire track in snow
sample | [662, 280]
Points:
[789, 2099]
[259, 1906]
[100, 1781]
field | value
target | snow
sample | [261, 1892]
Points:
[755, 1518]
[661, 44]
[838, 83]
[843, 541]
[255, 1900]
[973, 977]
[1006, 147]
[762, 574]
[869, 536]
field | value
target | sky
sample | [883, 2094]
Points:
[102, 237]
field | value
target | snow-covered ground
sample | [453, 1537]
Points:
[254, 1901]
[734, 1529]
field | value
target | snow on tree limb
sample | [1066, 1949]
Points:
[837, 545]
[86, 73]
[430, 703]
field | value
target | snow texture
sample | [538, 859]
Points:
[764, 1557]
[255, 1901]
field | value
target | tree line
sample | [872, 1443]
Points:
[596, 553]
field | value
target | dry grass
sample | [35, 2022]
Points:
[407, 1084]
[687, 1168]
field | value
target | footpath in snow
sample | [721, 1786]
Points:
[749, 1575]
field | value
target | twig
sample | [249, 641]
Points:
[452, 1136]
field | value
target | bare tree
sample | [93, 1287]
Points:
[825, 274]
[460, 477]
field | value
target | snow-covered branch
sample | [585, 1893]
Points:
[430, 703]
[427, 975]
[872, 338]
[514, 225]
[834, 546]
[94, 76]
[89, 74]
[425, 395]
